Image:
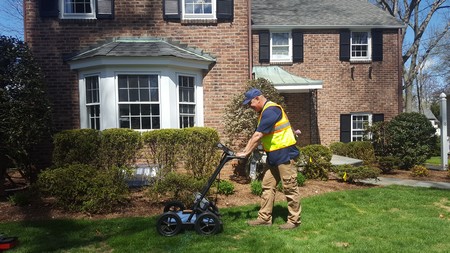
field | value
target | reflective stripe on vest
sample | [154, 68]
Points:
[281, 135]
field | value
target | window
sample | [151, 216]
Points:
[186, 100]
[78, 9]
[195, 9]
[359, 122]
[93, 101]
[280, 47]
[139, 102]
[360, 46]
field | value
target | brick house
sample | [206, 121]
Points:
[151, 64]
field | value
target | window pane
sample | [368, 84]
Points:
[134, 95]
[146, 123]
[155, 109]
[135, 123]
[145, 110]
[144, 95]
[143, 81]
[155, 123]
[133, 81]
[122, 80]
[280, 38]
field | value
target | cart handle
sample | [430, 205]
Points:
[225, 149]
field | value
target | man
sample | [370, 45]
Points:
[278, 141]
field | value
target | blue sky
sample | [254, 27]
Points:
[7, 23]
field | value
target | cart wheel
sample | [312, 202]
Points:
[207, 224]
[174, 206]
[169, 224]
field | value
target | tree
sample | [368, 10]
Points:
[417, 15]
[24, 108]
[240, 121]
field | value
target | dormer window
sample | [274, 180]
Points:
[360, 46]
[77, 9]
[199, 9]
[280, 47]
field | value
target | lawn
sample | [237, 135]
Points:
[390, 219]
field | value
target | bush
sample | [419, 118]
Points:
[164, 148]
[388, 163]
[81, 187]
[78, 146]
[225, 187]
[301, 179]
[349, 173]
[256, 187]
[119, 147]
[411, 138]
[315, 160]
[419, 171]
[240, 121]
[362, 150]
[25, 114]
[177, 186]
[200, 154]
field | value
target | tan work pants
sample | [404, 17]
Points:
[288, 174]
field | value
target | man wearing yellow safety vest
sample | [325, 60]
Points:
[278, 140]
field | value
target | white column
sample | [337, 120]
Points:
[444, 142]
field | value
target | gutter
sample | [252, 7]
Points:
[250, 37]
[322, 27]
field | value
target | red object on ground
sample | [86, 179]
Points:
[8, 242]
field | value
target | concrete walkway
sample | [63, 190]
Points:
[340, 160]
[407, 182]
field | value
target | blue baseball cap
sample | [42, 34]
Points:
[251, 94]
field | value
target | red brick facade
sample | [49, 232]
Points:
[347, 87]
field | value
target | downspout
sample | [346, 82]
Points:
[250, 46]
[400, 71]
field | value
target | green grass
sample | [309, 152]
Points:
[435, 160]
[390, 219]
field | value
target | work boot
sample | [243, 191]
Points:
[289, 225]
[259, 222]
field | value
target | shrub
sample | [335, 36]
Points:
[25, 113]
[119, 147]
[80, 187]
[225, 187]
[419, 171]
[411, 138]
[163, 148]
[80, 146]
[349, 173]
[315, 160]
[388, 163]
[362, 150]
[301, 179]
[200, 154]
[240, 121]
[177, 186]
[256, 187]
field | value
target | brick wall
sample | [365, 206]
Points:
[373, 88]
[51, 39]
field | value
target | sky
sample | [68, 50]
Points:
[9, 25]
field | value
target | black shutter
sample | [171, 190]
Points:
[225, 10]
[264, 46]
[344, 45]
[346, 127]
[377, 45]
[48, 8]
[377, 118]
[171, 9]
[297, 43]
[105, 9]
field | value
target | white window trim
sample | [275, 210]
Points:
[369, 47]
[87, 105]
[287, 59]
[64, 15]
[168, 80]
[369, 118]
[195, 103]
[186, 16]
[116, 87]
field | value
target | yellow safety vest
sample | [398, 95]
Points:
[281, 136]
